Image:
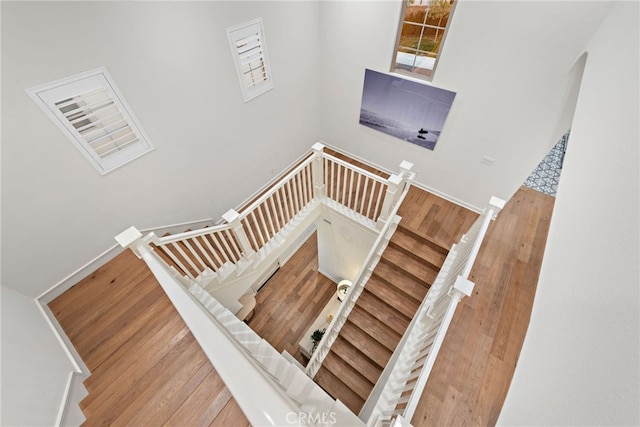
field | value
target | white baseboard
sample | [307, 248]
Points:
[448, 197]
[62, 338]
[82, 272]
[295, 246]
[329, 276]
[70, 413]
[75, 391]
[75, 277]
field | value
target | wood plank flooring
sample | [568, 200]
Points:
[146, 367]
[471, 377]
[474, 369]
[291, 300]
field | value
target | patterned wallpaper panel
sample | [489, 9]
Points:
[546, 176]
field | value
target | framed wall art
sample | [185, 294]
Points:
[412, 111]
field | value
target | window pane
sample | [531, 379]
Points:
[415, 14]
[415, 63]
[422, 30]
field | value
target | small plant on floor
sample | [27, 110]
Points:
[316, 336]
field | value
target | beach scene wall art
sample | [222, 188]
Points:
[412, 111]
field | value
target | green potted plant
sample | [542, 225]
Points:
[316, 336]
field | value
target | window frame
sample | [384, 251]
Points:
[240, 32]
[421, 76]
[48, 97]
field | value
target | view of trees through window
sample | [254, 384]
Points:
[423, 24]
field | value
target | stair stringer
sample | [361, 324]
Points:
[72, 414]
[316, 406]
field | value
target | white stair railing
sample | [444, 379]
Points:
[398, 391]
[312, 401]
[357, 192]
[268, 388]
[260, 401]
[246, 236]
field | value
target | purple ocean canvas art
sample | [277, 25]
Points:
[409, 110]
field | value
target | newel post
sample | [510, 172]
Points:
[463, 287]
[132, 238]
[394, 189]
[317, 167]
[395, 186]
[495, 205]
[405, 170]
[233, 218]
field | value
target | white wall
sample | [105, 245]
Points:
[172, 62]
[509, 63]
[343, 245]
[35, 368]
[580, 361]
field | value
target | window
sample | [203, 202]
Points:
[249, 50]
[89, 109]
[420, 36]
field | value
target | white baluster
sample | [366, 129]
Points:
[394, 189]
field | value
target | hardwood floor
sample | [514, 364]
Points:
[291, 300]
[146, 367]
[471, 377]
[472, 374]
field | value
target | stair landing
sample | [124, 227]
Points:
[146, 367]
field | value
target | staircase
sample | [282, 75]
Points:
[390, 299]
[287, 374]
[371, 323]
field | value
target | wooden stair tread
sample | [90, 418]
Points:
[145, 364]
[423, 239]
[347, 375]
[356, 359]
[390, 274]
[389, 293]
[417, 249]
[374, 328]
[374, 350]
[338, 390]
[419, 270]
[382, 311]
